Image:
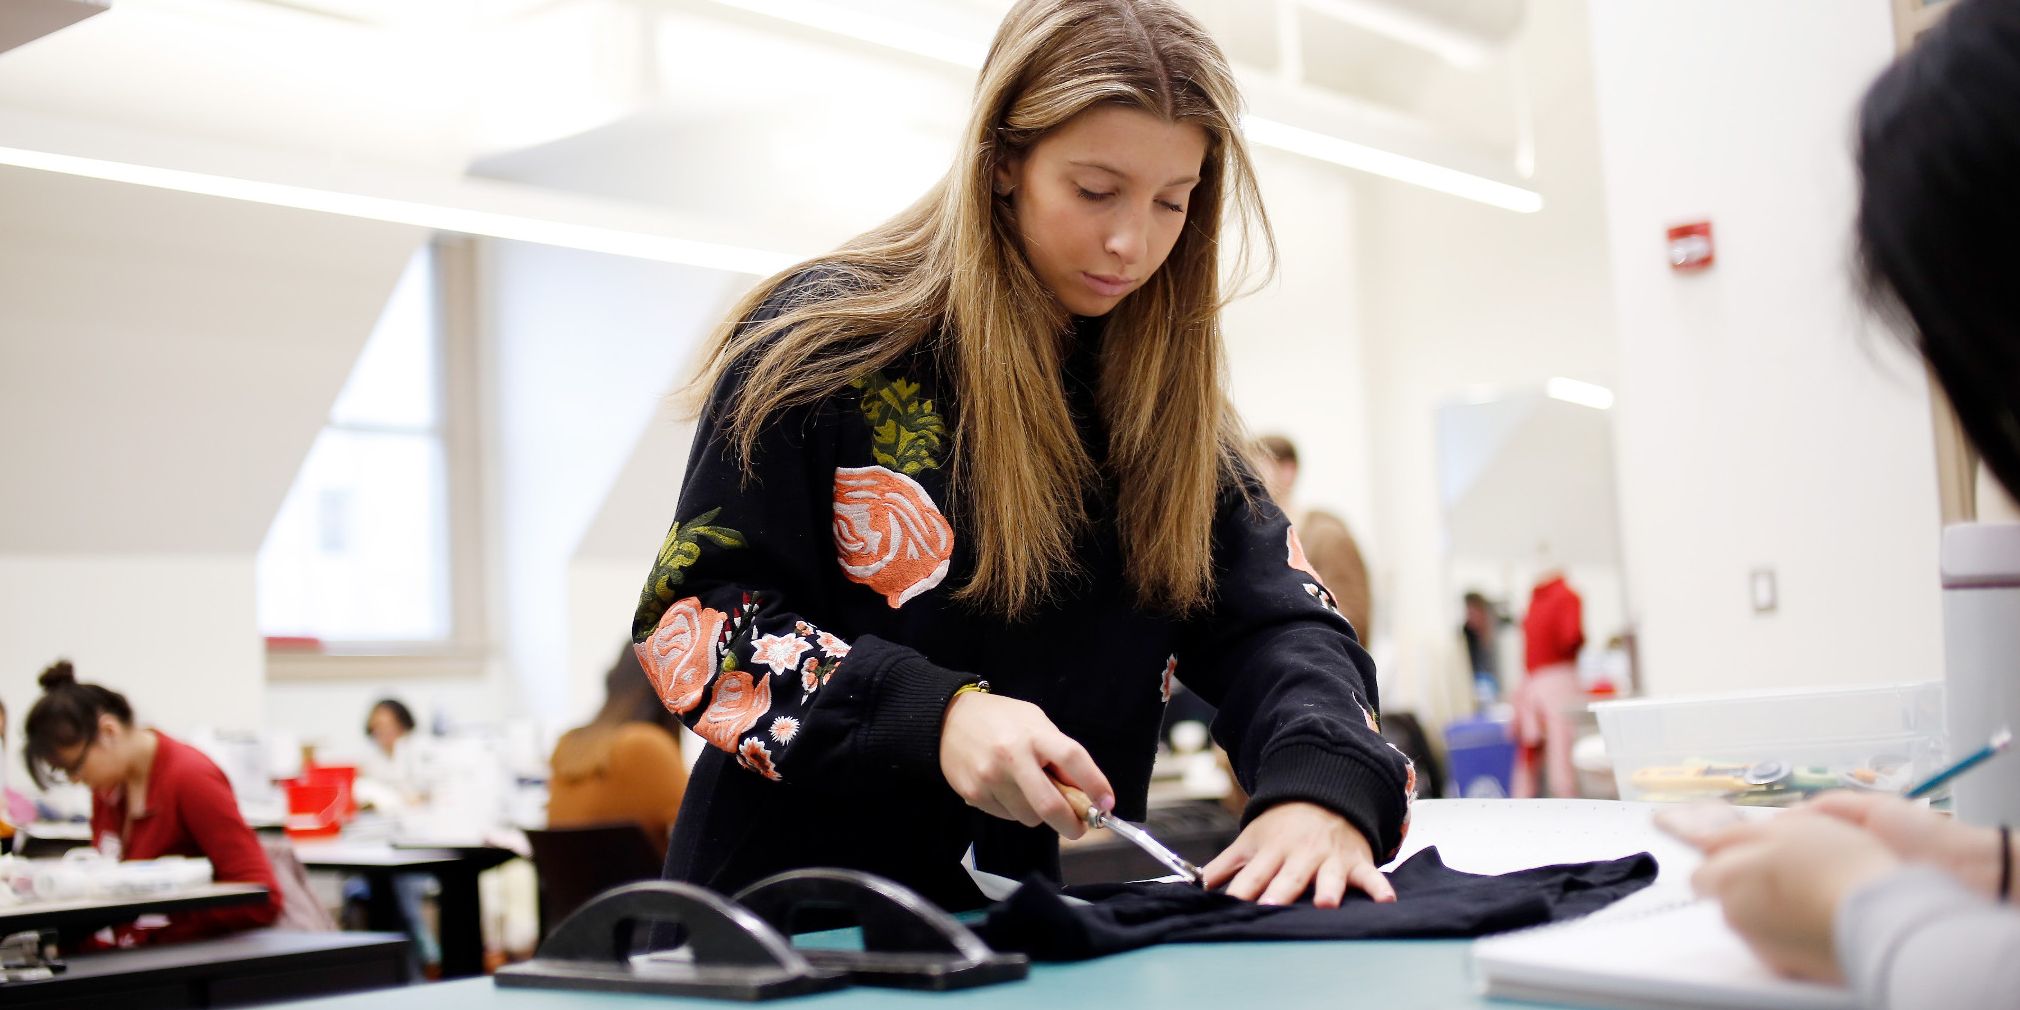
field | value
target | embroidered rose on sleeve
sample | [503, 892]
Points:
[680, 655]
[740, 701]
[889, 535]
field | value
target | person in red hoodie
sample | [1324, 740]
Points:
[151, 796]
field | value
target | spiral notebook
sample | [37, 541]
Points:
[1654, 949]
[1680, 955]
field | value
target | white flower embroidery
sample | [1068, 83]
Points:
[780, 652]
[1170, 668]
[784, 728]
[831, 645]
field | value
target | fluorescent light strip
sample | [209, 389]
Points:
[460, 220]
[1585, 394]
[1390, 165]
[1325, 147]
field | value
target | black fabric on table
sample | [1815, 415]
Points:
[1432, 900]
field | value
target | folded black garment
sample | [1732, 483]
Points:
[1432, 900]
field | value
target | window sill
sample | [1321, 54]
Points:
[374, 661]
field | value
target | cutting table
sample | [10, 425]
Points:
[1394, 975]
[1481, 836]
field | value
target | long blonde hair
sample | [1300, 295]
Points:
[950, 274]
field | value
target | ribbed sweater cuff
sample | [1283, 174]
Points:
[903, 733]
[1347, 784]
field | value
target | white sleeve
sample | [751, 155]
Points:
[1918, 939]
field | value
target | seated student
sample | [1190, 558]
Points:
[390, 780]
[625, 765]
[1914, 909]
[389, 776]
[151, 796]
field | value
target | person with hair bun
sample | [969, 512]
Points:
[968, 495]
[151, 796]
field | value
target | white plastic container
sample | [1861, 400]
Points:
[1771, 748]
[1981, 659]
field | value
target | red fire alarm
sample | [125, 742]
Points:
[1690, 246]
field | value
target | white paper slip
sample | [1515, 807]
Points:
[1681, 956]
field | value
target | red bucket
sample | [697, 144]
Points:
[344, 777]
[315, 810]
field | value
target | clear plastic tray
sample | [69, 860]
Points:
[1774, 748]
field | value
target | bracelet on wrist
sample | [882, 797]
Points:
[2005, 863]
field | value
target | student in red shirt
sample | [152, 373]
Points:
[1553, 632]
[151, 796]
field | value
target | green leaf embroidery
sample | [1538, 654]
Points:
[906, 435]
[681, 548]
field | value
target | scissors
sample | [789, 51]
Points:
[1095, 817]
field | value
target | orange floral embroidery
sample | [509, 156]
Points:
[1369, 718]
[888, 533]
[1298, 559]
[756, 757]
[740, 701]
[679, 656]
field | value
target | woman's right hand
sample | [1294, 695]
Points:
[1001, 755]
[1917, 834]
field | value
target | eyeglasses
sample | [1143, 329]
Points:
[71, 771]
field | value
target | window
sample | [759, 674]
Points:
[360, 556]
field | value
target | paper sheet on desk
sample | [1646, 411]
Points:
[1681, 957]
[1655, 948]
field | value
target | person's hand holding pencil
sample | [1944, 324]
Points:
[1780, 880]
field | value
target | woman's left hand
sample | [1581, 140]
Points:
[1292, 846]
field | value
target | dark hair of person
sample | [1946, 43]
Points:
[401, 714]
[1939, 211]
[66, 715]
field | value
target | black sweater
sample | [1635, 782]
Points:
[803, 623]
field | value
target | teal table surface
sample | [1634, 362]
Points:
[1480, 836]
[1389, 975]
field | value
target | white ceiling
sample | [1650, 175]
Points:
[431, 84]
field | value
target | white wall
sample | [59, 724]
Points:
[1762, 423]
[1295, 351]
[165, 361]
[174, 633]
[582, 351]
[1456, 296]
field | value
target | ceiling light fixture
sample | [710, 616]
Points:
[437, 217]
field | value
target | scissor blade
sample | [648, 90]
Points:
[1142, 840]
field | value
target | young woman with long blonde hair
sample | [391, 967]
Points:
[968, 493]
